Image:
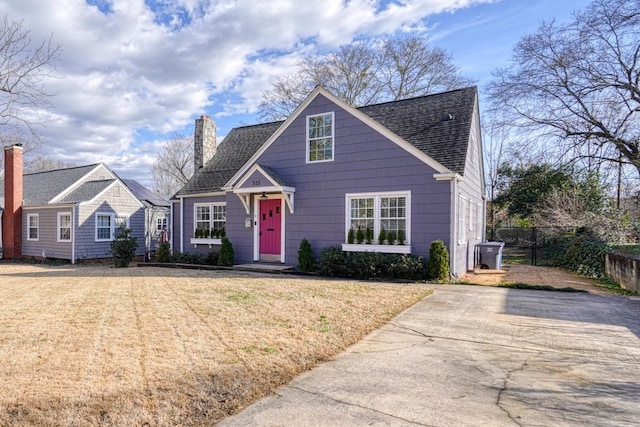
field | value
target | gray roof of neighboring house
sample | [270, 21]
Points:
[41, 187]
[87, 191]
[439, 125]
[144, 194]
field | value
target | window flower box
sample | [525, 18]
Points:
[386, 249]
[195, 241]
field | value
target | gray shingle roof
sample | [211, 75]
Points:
[39, 188]
[425, 123]
[87, 191]
[439, 125]
[236, 149]
[279, 179]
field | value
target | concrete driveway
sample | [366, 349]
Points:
[477, 356]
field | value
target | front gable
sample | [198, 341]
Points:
[99, 173]
[321, 102]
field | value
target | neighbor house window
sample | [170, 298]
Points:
[64, 227]
[161, 224]
[383, 211]
[107, 224]
[210, 217]
[320, 133]
[33, 224]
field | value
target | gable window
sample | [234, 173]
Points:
[33, 224]
[107, 224]
[388, 212]
[209, 217]
[64, 227]
[320, 133]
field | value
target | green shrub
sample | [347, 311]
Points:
[359, 235]
[226, 256]
[123, 247]
[438, 263]
[370, 265]
[306, 260]
[163, 254]
[401, 237]
[382, 236]
[368, 235]
[351, 236]
[583, 252]
[212, 257]
[391, 237]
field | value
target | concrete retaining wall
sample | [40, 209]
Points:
[625, 270]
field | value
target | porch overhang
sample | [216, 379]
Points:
[261, 179]
[245, 195]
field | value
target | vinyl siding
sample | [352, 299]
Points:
[47, 242]
[188, 223]
[109, 202]
[472, 188]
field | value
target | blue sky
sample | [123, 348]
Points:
[132, 72]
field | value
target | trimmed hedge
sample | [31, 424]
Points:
[370, 265]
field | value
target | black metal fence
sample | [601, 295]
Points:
[528, 244]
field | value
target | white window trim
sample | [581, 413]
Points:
[333, 138]
[211, 205]
[462, 218]
[29, 238]
[113, 226]
[61, 214]
[479, 221]
[377, 196]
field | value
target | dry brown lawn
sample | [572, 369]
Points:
[149, 346]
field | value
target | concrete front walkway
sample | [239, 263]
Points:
[477, 356]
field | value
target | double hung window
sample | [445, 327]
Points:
[209, 217]
[388, 212]
[33, 225]
[64, 227]
[320, 138]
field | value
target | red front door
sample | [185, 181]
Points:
[270, 226]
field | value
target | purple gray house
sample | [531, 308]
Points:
[411, 167]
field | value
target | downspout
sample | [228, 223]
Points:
[453, 244]
[181, 224]
[73, 233]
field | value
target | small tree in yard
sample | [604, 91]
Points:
[227, 255]
[163, 254]
[306, 260]
[438, 263]
[123, 247]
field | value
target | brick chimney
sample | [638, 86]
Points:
[204, 142]
[12, 217]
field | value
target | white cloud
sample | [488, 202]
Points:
[151, 67]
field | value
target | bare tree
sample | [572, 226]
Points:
[24, 67]
[365, 73]
[579, 83]
[42, 163]
[173, 165]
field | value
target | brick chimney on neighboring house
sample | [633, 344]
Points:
[12, 217]
[204, 142]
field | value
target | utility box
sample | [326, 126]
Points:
[489, 255]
